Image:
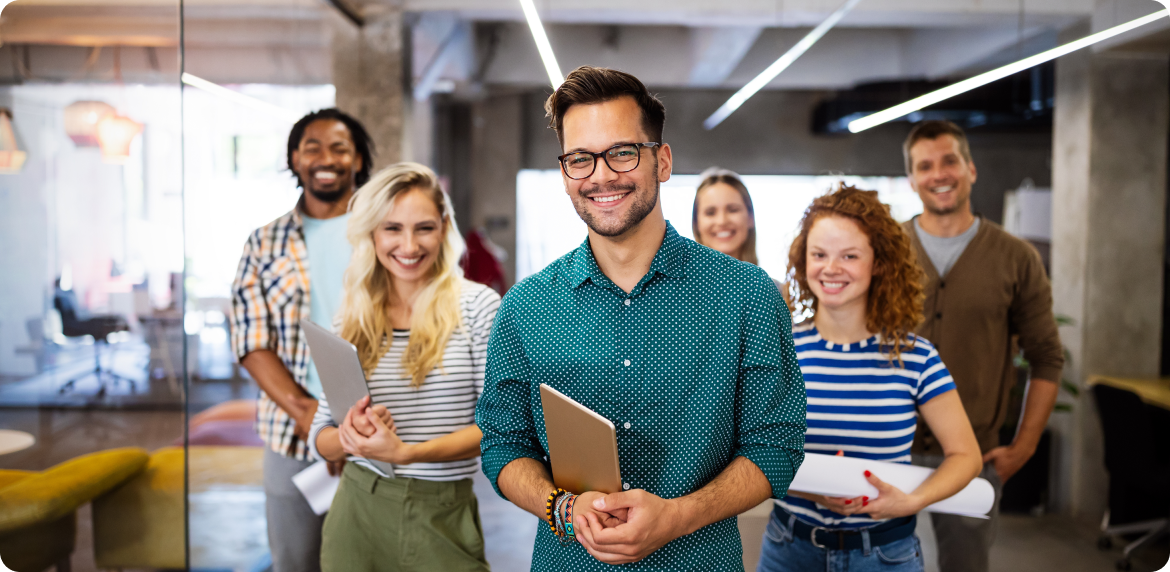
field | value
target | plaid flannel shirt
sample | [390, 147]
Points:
[270, 296]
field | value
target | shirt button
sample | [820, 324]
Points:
[627, 301]
[942, 284]
[627, 362]
[625, 486]
[937, 316]
[626, 425]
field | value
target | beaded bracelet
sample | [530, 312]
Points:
[559, 529]
[548, 508]
[569, 516]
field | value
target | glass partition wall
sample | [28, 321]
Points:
[251, 70]
[92, 343]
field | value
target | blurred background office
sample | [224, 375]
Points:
[142, 140]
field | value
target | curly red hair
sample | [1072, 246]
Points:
[894, 305]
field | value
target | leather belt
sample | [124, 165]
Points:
[850, 539]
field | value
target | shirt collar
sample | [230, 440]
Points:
[669, 261]
[298, 212]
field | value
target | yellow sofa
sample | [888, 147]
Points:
[38, 510]
[142, 523]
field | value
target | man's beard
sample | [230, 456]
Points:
[944, 212]
[328, 196]
[642, 205]
[958, 206]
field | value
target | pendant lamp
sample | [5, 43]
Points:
[81, 119]
[114, 135]
[11, 158]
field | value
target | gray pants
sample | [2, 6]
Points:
[294, 531]
[964, 543]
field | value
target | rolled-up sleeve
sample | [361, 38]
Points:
[770, 408]
[1031, 317]
[250, 320]
[504, 411]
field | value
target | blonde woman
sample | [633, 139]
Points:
[421, 331]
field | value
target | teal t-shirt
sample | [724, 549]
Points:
[329, 253]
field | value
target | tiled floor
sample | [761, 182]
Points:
[227, 526]
[1023, 544]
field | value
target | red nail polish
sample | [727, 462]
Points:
[868, 474]
[866, 503]
[864, 499]
[848, 501]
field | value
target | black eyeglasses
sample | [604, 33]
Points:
[620, 159]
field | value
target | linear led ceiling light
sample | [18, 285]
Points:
[778, 66]
[245, 100]
[545, 48]
[952, 90]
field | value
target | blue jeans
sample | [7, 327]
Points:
[783, 553]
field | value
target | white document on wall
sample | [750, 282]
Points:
[318, 486]
[835, 476]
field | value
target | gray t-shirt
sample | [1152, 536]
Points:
[943, 252]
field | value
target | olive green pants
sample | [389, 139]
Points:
[401, 524]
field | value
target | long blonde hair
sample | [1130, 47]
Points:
[369, 288]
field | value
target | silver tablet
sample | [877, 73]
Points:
[582, 445]
[341, 375]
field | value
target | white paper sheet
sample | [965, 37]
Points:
[317, 486]
[830, 475]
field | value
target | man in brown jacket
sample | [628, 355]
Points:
[983, 287]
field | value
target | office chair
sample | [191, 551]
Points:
[75, 324]
[1138, 464]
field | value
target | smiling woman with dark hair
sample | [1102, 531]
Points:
[723, 217]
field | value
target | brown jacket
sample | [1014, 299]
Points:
[997, 289]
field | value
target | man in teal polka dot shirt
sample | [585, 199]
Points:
[688, 351]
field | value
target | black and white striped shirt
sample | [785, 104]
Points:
[445, 402]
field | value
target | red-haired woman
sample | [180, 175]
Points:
[868, 378]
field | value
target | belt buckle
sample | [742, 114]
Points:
[812, 536]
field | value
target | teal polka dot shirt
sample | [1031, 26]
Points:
[695, 367]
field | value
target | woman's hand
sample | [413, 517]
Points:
[840, 505]
[890, 502]
[359, 419]
[382, 444]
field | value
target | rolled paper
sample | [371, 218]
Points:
[835, 476]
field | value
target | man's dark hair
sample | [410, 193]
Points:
[361, 141]
[587, 85]
[931, 130]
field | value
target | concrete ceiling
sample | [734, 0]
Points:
[461, 43]
[781, 13]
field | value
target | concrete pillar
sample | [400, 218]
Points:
[418, 135]
[497, 129]
[368, 74]
[1108, 222]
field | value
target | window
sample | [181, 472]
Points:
[547, 227]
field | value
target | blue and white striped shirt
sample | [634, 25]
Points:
[862, 404]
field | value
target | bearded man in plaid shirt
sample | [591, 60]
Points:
[330, 154]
